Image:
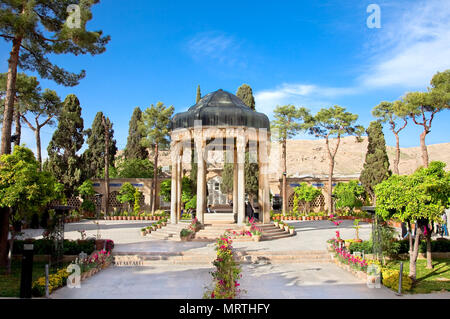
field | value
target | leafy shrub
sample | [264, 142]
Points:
[88, 206]
[365, 246]
[45, 247]
[185, 232]
[390, 279]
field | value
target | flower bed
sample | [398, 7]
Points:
[89, 266]
[227, 272]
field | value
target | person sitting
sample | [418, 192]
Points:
[210, 210]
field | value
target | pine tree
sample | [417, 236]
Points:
[199, 94]
[94, 156]
[37, 29]
[376, 167]
[63, 161]
[245, 93]
[329, 123]
[134, 148]
[155, 127]
[286, 125]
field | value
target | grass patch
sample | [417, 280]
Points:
[10, 284]
[428, 280]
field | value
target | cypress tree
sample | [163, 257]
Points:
[376, 167]
[134, 148]
[94, 156]
[63, 161]
[245, 93]
[199, 94]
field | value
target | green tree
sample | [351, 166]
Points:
[306, 193]
[134, 148]
[251, 172]
[376, 166]
[199, 94]
[187, 190]
[423, 106]
[132, 168]
[245, 93]
[226, 186]
[137, 202]
[36, 30]
[27, 93]
[286, 125]
[94, 156]
[86, 191]
[392, 112]
[126, 194]
[349, 195]
[329, 123]
[49, 107]
[421, 197]
[24, 189]
[63, 161]
[155, 130]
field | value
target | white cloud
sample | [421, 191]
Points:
[413, 44]
[216, 47]
[311, 96]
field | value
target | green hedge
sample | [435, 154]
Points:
[45, 247]
[402, 246]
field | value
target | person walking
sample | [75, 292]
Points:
[444, 224]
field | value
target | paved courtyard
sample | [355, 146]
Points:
[165, 280]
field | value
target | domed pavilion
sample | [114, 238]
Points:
[220, 121]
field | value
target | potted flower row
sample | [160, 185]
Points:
[132, 216]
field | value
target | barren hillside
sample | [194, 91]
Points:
[310, 157]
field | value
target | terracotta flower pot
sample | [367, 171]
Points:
[320, 217]
[256, 237]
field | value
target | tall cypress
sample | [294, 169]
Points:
[245, 93]
[134, 148]
[63, 161]
[94, 156]
[199, 94]
[376, 167]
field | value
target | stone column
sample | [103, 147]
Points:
[264, 188]
[201, 176]
[235, 182]
[179, 177]
[174, 148]
[241, 178]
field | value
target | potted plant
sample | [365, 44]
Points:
[143, 231]
[186, 234]
[154, 227]
[356, 226]
[256, 234]
[276, 222]
[286, 227]
[281, 225]
[291, 230]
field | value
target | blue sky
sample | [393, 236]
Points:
[307, 53]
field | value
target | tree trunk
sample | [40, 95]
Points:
[330, 186]
[284, 182]
[106, 165]
[429, 258]
[410, 238]
[37, 133]
[9, 99]
[6, 139]
[18, 126]
[4, 236]
[155, 179]
[423, 146]
[415, 253]
[397, 154]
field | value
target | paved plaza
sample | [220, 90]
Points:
[167, 280]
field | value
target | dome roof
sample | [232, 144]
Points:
[220, 108]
